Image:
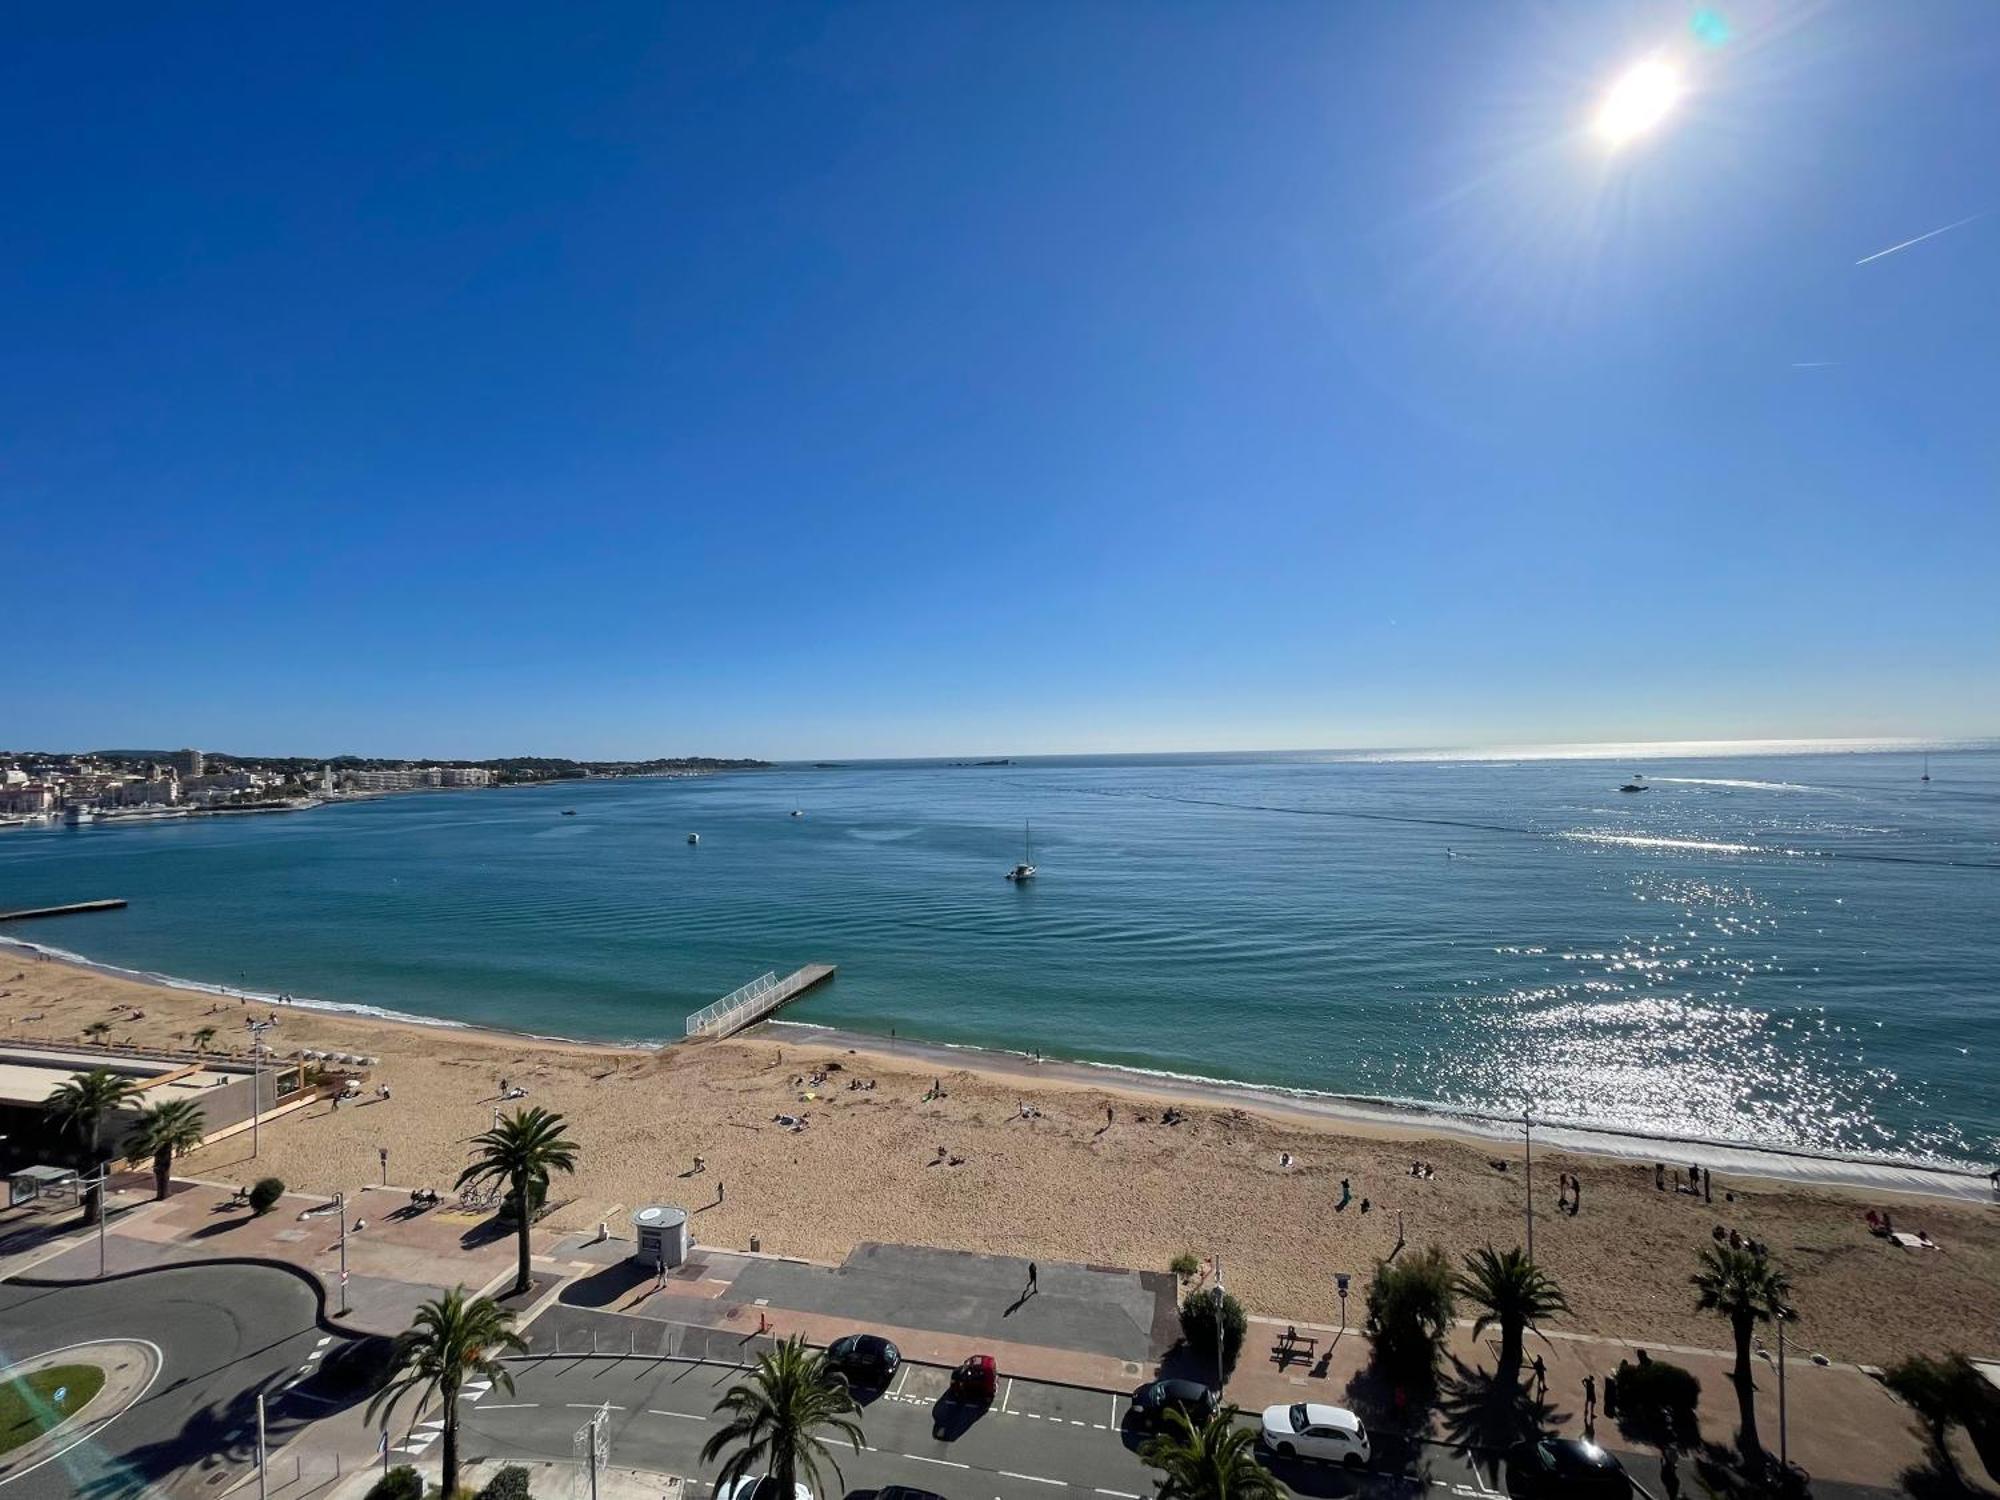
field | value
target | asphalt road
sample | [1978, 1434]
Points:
[1036, 1440]
[226, 1333]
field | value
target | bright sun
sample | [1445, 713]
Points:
[1638, 101]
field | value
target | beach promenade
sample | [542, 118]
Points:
[1070, 1353]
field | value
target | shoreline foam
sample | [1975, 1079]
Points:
[1961, 1181]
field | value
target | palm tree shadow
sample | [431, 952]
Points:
[221, 1436]
[1398, 1417]
[1491, 1412]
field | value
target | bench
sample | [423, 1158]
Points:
[1293, 1343]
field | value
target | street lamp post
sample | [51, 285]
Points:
[1221, 1333]
[1784, 1450]
[260, 1446]
[103, 1211]
[1528, 1131]
[340, 1201]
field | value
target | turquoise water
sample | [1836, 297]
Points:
[1795, 949]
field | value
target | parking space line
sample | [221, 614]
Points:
[1010, 1394]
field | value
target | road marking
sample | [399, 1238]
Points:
[949, 1463]
[1074, 1423]
[324, 1342]
[1009, 1396]
[1118, 1494]
[592, 1406]
[1114, 1411]
[1033, 1478]
[686, 1416]
[511, 1406]
[902, 1375]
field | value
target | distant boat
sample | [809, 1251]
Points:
[569, 812]
[1634, 785]
[1025, 870]
[797, 813]
[77, 814]
[1927, 769]
[694, 838]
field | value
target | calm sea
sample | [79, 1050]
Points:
[1799, 949]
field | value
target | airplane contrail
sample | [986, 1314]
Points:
[1812, 364]
[1918, 240]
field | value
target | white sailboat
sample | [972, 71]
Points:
[1025, 870]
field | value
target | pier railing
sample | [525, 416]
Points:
[734, 1009]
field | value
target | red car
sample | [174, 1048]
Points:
[977, 1380]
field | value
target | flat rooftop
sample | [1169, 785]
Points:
[28, 1075]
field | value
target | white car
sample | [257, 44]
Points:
[1309, 1430]
[758, 1487]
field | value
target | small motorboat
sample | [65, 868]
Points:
[569, 812]
[1635, 786]
[797, 813]
[694, 838]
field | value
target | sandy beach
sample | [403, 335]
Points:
[1067, 1182]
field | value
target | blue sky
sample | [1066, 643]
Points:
[928, 378]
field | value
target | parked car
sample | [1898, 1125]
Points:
[975, 1382]
[905, 1492]
[1151, 1403]
[1310, 1430]
[1554, 1468]
[866, 1359]
[758, 1487]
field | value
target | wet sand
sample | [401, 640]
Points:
[1064, 1184]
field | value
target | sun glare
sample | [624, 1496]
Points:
[1638, 101]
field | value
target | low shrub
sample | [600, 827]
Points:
[511, 1483]
[1200, 1324]
[1656, 1402]
[265, 1194]
[1185, 1264]
[400, 1483]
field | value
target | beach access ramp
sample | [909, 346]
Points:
[754, 1001]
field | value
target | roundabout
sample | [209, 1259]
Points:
[185, 1352]
[52, 1401]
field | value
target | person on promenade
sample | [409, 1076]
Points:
[1032, 1287]
[1541, 1378]
[1589, 1402]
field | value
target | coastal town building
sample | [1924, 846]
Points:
[27, 799]
[408, 778]
[187, 762]
[152, 791]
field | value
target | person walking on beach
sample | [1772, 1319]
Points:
[1575, 1195]
[1660, 1176]
[1707, 1188]
[718, 1190]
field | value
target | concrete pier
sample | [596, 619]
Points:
[756, 1000]
[59, 911]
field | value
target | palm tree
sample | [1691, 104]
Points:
[775, 1420]
[202, 1037]
[522, 1149]
[1744, 1287]
[453, 1339]
[97, 1031]
[166, 1131]
[1215, 1461]
[1511, 1291]
[79, 1104]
